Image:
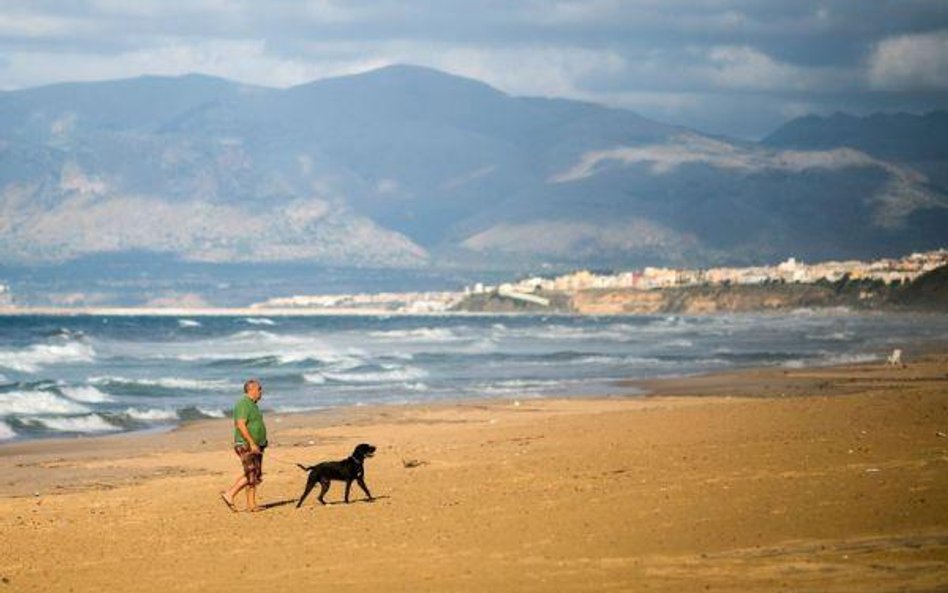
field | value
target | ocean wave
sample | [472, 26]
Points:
[831, 337]
[388, 374]
[259, 321]
[37, 402]
[6, 433]
[65, 332]
[314, 378]
[827, 359]
[150, 415]
[836, 359]
[84, 424]
[85, 393]
[515, 386]
[426, 334]
[189, 323]
[262, 348]
[32, 359]
[169, 383]
[211, 413]
[297, 409]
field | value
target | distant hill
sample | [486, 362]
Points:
[408, 167]
[929, 291]
[920, 140]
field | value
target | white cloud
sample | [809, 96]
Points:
[911, 62]
[27, 25]
[743, 67]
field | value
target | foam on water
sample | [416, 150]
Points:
[37, 402]
[253, 346]
[297, 409]
[211, 413]
[389, 374]
[84, 424]
[259, 321]
[6, 433]
[85, 393]
[151, 415]
[426, 334]
[37, 356]
[189, 323]
[170, 383]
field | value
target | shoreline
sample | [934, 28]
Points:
[631, 388]
[812, 480]
[761, 382]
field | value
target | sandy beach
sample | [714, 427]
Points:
[827, 480]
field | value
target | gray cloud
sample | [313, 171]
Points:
[738, 67]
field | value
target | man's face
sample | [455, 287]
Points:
[254, 391]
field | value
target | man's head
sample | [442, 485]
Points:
[253, 389]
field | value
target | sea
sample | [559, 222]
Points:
[68, 376]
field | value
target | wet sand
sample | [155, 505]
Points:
[793, 480]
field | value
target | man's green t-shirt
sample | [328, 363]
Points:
[246, 409]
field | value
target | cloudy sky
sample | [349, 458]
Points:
[737, 67]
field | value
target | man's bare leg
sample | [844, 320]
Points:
[252, 498]
[239, 485]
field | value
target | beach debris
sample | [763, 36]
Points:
[872, 470]
[410, 463]
[941, 434]
[516, 403]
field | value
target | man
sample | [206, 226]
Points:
[250, 439]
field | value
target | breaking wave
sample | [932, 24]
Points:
[151, 415]
[85, 393]
[427, 334]
[259, 321]
[6, 433]
[169, 383]
[388, 374]
[37, 356]
[84, 424]
[37, 403]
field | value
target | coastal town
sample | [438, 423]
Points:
[537, 289]
[566, 292]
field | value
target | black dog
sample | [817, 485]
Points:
[347, 470]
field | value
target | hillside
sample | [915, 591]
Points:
[929, 291]
[917, 140]
[407, 167]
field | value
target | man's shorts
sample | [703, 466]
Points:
[252, 462]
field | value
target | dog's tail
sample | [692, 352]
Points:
[303, 467]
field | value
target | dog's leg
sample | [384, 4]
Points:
[310, 483]
[323, 488]
[348, 486]
[365, 489]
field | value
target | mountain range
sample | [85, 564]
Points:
[407, 167]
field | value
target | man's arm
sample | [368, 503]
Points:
[241, 424]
